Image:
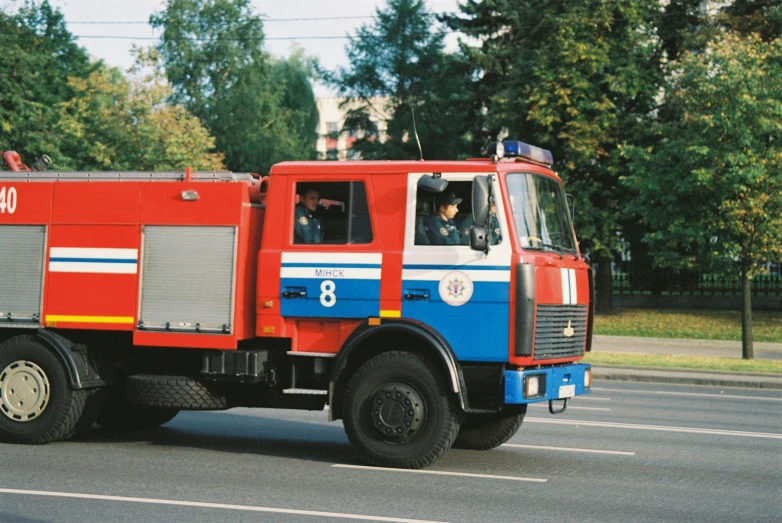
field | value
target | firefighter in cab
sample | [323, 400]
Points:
[495, 232]
[307, 227]
[442, 229]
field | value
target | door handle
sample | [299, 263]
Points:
[294, 292]
[417, 294]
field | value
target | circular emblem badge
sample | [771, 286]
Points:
[443, 231]
[303, 220]
[456, 288]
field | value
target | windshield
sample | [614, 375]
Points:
[540, 212]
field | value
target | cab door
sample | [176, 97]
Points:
[335, 273]
[461, 293]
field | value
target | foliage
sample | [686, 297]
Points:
[400, 57]
[575, 78]
[295, 73]
[688, 324]
[710, 186]
[212, 52]
[115, 124]
[38, 56]
[762, 17]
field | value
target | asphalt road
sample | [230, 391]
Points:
[628, 451]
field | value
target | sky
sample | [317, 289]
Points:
[281, 35]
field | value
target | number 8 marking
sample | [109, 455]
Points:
[8, 200]
[327, 296]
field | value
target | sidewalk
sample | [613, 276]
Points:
[685, 348]
[676, 347]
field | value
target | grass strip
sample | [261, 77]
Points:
[684, 362]
[689, 324]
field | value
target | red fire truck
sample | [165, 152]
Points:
[126, 297]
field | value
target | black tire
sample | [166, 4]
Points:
[172, 392]
[92, 407]
[53, 409]
[117, 414]
[488, 431]
[399, 412]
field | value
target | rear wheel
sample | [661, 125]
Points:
[399, 412]
[92, 407]
[37, 404]
[488, 431]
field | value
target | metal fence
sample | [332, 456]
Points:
[705, 285]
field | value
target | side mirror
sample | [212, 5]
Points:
[481, 194]
[479, 238]
[432, 183]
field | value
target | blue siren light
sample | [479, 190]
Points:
[530, 152]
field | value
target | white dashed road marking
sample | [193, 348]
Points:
[568, 449]
[664, 428]
[701, 394]
[246, 508]
[441, 473]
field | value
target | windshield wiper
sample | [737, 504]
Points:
[560, 249]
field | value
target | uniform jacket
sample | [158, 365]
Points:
[443, 232]
[307, 228]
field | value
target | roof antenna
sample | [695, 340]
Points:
[412, 109]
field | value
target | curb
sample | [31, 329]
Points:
[686, 377]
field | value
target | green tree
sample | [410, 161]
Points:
[762, 17]
[577, 77]
[113, 123]
[212, 52]
[37, 59]
[710, 186]
[295, 74]
[397, 66]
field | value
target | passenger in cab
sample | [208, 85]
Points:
[442, 229]
[495, 234]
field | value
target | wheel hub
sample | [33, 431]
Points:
[24, 391]
[397, 411]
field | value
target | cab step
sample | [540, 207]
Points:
[312, 392]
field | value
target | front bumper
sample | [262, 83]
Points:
[554, 383]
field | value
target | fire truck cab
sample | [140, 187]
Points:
[425, 303]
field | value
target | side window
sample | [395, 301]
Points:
[331, 213]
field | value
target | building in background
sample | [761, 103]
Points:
[335, 142]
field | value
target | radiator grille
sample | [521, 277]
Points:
[550, 339]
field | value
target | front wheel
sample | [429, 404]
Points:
[37, 404]
[487, 431]
[399, 412]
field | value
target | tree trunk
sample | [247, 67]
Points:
[746, 316]
[604, 286]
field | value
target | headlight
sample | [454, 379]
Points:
[588, 379]
[531, 386]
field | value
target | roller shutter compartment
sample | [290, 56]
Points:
[187, 279]
[22, 254]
